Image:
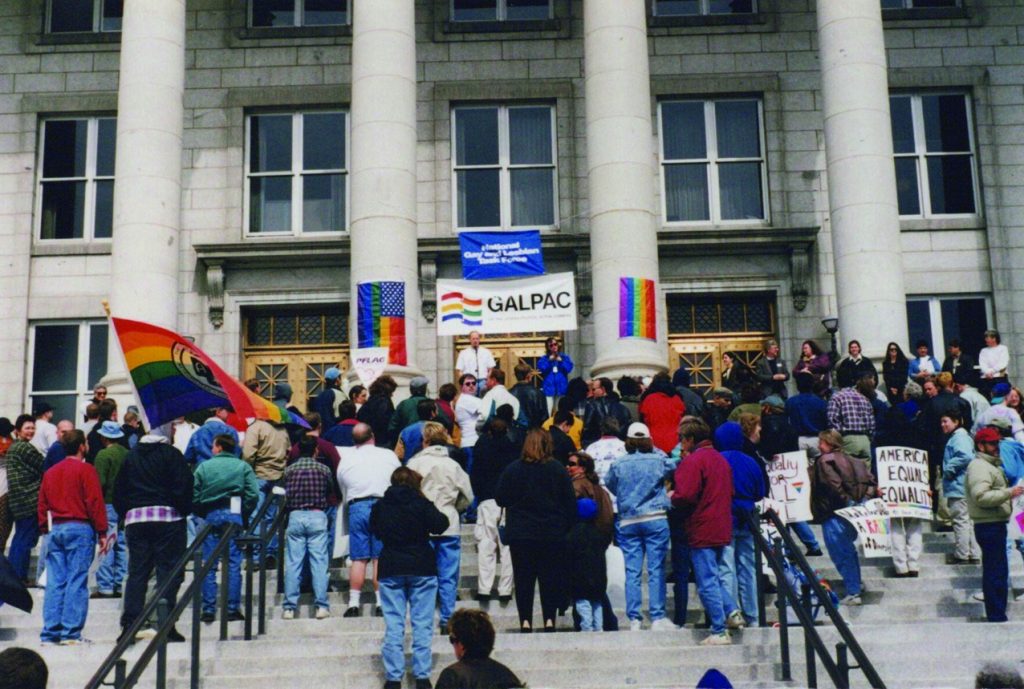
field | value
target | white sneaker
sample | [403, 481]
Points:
[288, 615]
[735, 620]
[635, 625]
[979, 596]
[1019, 597]
[663, 625]
[322, 613]
[851, 600]
[717, 640]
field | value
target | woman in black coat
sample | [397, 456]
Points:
[540, 507]
[895, 368]
[377, 411]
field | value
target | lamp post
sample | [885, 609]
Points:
[831, 325]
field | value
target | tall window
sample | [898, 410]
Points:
[76, 179]
[678, 8]
[712, 160]
[933, 140]
[937, 320]
[282, 13]
[84, 16]
[504, 166]
[68, 359]
[297, 173]
[917, 4]
[500, 10]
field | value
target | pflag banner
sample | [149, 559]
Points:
[382, 318]
[526, 305]
[174, 377]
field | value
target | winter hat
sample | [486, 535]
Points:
[282, 391]
[586, 509]
[713, 679]
[1000, 391]
[774, 401]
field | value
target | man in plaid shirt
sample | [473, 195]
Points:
[308, 485]
[851, 413]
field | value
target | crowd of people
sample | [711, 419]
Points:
[551, 471]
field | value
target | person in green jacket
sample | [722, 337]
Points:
[405, 414]
[109, 460]
[988, 503]
[224, 488]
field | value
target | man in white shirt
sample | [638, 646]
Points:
[609, 447]
[467, 414]
[364, 473]
[993, 360]
[497, 395]
[46, 432]
[475, 360]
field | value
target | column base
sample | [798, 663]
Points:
[616, 367]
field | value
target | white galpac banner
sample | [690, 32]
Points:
[542, 303]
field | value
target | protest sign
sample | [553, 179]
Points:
[1015, 529]
[790, 486]
[490, 255]
[872, 523]
[526, 305]
[369, 363]
[903, 482]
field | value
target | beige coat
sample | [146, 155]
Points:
[445, 484]
[988, 495]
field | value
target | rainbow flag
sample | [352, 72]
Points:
[173, 377]
[382, 318]
[636, 308]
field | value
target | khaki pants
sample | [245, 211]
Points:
[963, 531]
[490, 551]
[857, 446]
[907, 544]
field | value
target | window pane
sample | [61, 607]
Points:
[965, 320]
[945, 123]
[258, 331]
[55, 366]
[906, 186]
[285, 331]
[325, 12]
[63, 210]
[676, 7]
[106, 145]
[533, 201]
[686, 192]
[70, 15]
[64, 148]
[104, 227]
[529, 136]
[323, 203]
[950, 184]
[273, 12]
[731, 6]
[98, 339]
[919, 325]
[476, 136]
[528, 9]
[113, 11]
[934, 3]
[739, 186]
[63, 406]
[479, 198]
[682, 125]
[323, 141]
[270, 205]
[737, 126]
[902, 124]
[474, 10]
[270, 142]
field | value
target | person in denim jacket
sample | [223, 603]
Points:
[638, 481]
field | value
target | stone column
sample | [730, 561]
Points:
[383, 172]
[622, 172]
[865, 224]
[147, 181]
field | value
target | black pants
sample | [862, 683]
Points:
[995, 570]
[538, 561]
[151, 545]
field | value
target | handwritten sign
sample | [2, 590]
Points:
[903, 482]
[369, 363]
[871, 520]
[790, 486]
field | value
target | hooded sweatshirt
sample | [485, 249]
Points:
[445, 484]
[404, 520]
[154, 473]
[747, 479]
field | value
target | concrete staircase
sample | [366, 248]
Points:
[925, 632]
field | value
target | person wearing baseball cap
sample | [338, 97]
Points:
[989, 505]
[326, 403]
[114, 563]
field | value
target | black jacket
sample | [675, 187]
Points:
[403, 520]
[377, 414]
[532, 404]
[931, 416]
[539, 501]
[587, 573]
[595, 412]
[491, 455]
[154, 474]
[855, 370]
[777, 436]
[966, 363]
[563, 445]
[477, 673]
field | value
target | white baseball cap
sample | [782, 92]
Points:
[638, 430]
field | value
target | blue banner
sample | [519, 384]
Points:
[490, 255]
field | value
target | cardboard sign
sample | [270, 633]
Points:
[790, 486]
[507, 306]
[872, 523]
[369, 363]
[903, 482]
[491, 255]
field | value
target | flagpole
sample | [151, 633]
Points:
[124, 362]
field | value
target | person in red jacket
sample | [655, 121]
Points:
[71, 509]
[661, 409]
[703, 489]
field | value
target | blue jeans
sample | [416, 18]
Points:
[114, 567]
[307, 533]
[26, 533]
[648, 538]
[448, 550]
[739, 573]
[805, 534]
[716, 599]
[839, 541]
[591, 615]
[418, 594]
[72, 545]
[219, 519]
[265, 494]
[44, 542]
[995, 569]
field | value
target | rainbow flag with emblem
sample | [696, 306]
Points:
[636, 308]
[382, 318]
[174, 377]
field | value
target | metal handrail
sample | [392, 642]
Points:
[249, 541]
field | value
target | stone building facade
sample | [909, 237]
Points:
[767, 162]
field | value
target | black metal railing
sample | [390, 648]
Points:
[838, 668]
[254, 542]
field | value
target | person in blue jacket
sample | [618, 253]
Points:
[555, 367]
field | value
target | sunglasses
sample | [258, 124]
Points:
[470, 383]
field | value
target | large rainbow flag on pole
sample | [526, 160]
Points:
[173, 377]
[636, 308]
[382, 318]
